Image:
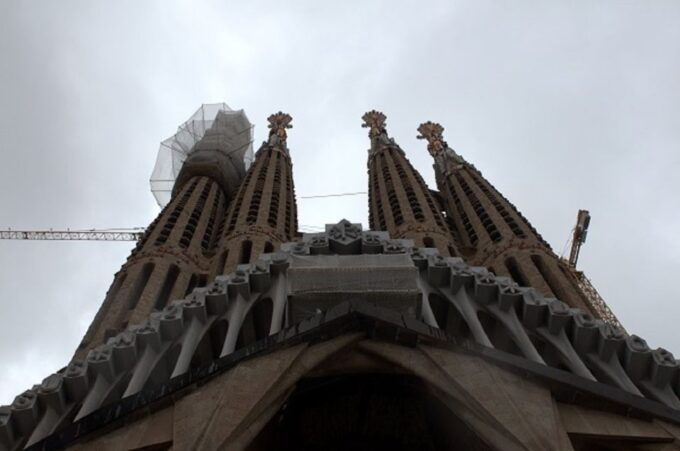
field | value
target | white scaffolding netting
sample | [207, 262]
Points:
[236, 131]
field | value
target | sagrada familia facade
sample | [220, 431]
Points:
[448, 324]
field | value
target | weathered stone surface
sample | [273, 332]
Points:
[226, 413]
[589, 422]
[152, 431]
[462, 403]
[310, 359]
[206, 417]
[522, 406]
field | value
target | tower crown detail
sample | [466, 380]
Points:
[433, 133]
[278, 123]
[375, 122]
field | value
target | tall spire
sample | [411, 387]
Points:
[175, 255]
[375, 122]
[399, 200]
[264, 211]
[491, 231]
[433, 133]
[278, 123]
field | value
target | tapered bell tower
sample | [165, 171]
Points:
[176, 252]
[399, 200]
[491, 230]
[264, 212]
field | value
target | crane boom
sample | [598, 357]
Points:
[74, 235]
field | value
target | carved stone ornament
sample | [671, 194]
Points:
[433, 133]
[278, 123]
[375, 122]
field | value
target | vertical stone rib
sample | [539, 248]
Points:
[274, 182]
[463, 213]
[485, 190]
[191, 221]
[212, 226]
[498, 227]
[288, 213]
[488, 227]
[379, 191]
[176, 206]
[397, 193]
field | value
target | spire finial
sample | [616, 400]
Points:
[375, 122]
[278, 123]
[433, 133]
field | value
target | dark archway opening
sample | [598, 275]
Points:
[140, 285]
[246, 249]
[365, 412]
[166, 289]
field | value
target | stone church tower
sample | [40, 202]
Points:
[491, 231]
[449, 324]
[399, 201]
[263, 214]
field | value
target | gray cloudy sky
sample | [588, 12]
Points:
[562, 105]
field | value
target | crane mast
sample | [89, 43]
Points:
[585, 285]
[74, 235]
[579, 238]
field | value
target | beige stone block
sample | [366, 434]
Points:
[589, 422]
[523, 406]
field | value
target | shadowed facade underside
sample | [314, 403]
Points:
[352, 321]
[366, 412]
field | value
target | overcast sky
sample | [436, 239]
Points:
[562, 105]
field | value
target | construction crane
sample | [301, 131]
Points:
[579, 238]
[129, 234]
[133, 234]
[594, 299]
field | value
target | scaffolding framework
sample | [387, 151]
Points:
[595, 300]
[236, 142]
